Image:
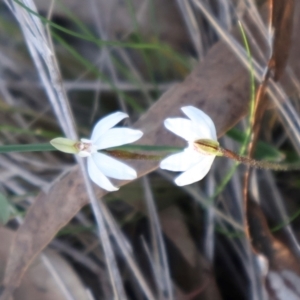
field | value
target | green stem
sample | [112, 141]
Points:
[252, 85]
[243, 148]
[26, 148]
[287, 222]
[49, 147]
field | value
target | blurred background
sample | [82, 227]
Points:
[65, 64]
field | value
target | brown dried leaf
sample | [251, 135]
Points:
[192, 271]
[39, 282]
[45, 210]
[282, 13]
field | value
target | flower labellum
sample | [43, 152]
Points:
[200, 133]
[100, 165]
[65, 145]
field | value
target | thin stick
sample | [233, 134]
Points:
[259, 163]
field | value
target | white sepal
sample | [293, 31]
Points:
[180, 162]
[107, 123]
[113, 168]
[204, 124]
[98, 177]
[181, 127]
[116, 137]
[196, 172]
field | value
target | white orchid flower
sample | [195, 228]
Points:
[100, 165]
[195, 161]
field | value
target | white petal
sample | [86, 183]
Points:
[197, 172]
[117, 137]
[84, 153]
[98, 177]
[106, 123]
[182, 127]
[182, 161]
[205, 126]
[113, 168]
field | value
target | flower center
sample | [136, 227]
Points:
[80, 146]
[85, 148]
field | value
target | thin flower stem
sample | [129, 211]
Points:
[258, 163]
